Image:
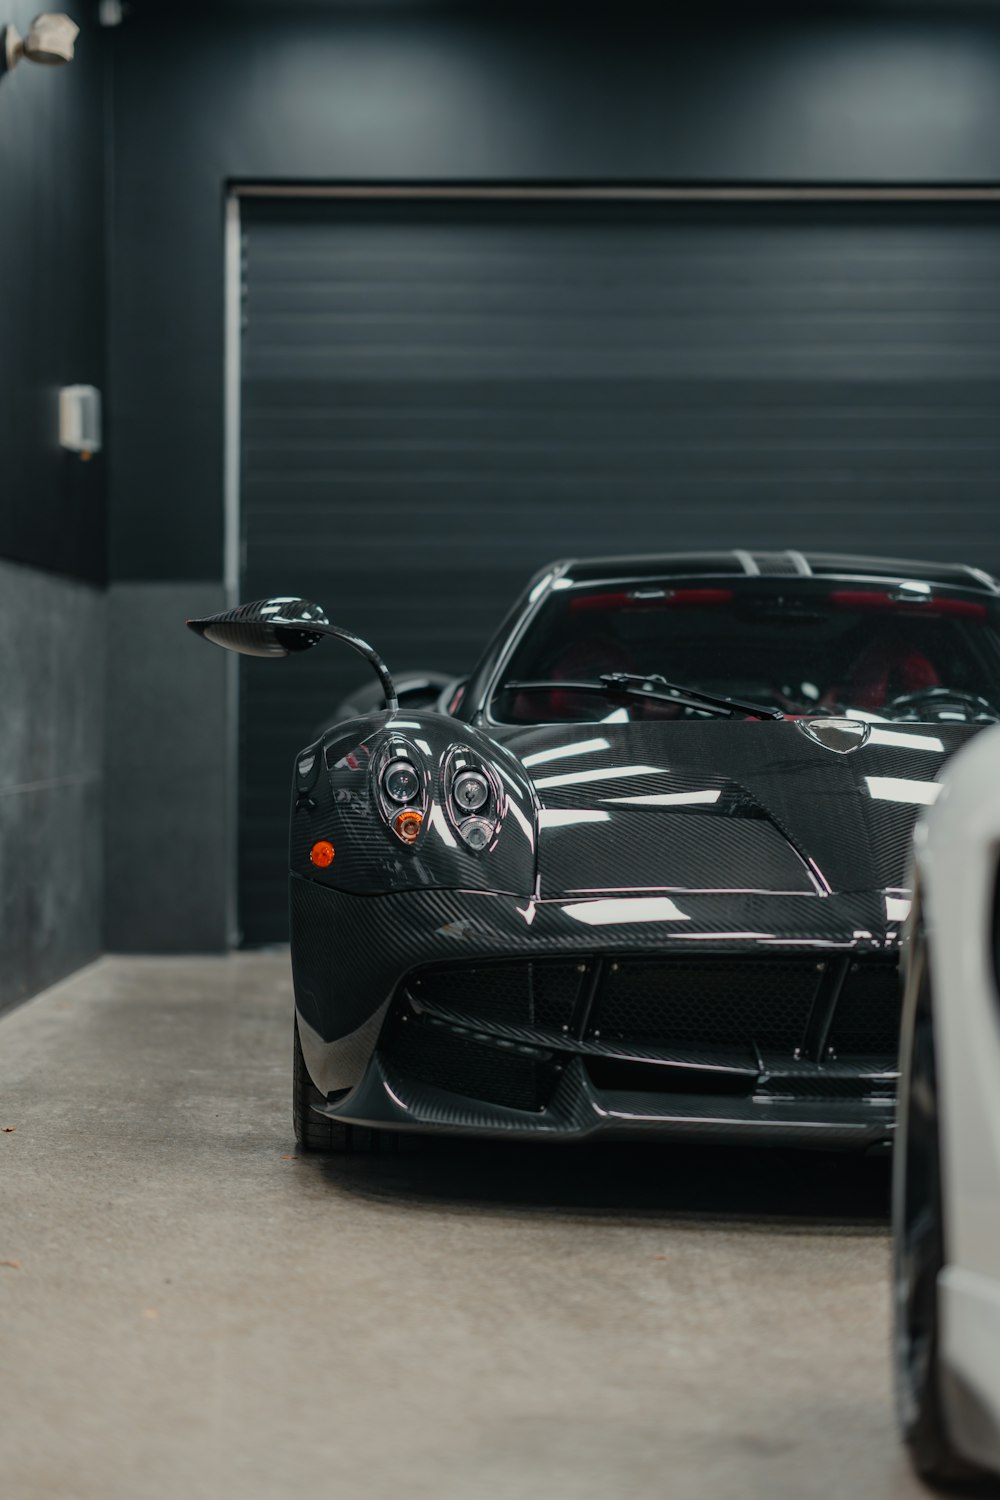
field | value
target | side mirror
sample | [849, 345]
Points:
[268, 627]
[280, 626]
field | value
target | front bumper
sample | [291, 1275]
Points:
[385, 1050]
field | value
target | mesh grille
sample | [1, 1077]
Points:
[518, 994]
[866, 1021]
[724, 1002]
[850, 1086]
[775, 564]
[554, 991]
[435, 1055]
[625, 1077]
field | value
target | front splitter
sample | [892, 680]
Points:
[579, 1112]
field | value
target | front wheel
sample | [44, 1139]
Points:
[315, 1132]
[918, 1244]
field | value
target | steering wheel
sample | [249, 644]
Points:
[941, 704]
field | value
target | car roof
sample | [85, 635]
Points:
[766, 564]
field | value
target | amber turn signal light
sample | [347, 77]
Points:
[407, 824]
[322, 853]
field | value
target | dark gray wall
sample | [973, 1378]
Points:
[52, 319]
[51, 518]
[167, 849]
[421, 94]
[51, 778]
[414, 93]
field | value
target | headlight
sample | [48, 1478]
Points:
[474, 803]
[400, 781]
[470, 790]
[401, 786]
[477, 832]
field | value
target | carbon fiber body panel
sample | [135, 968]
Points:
[394, 1036]
[704, 806]
[335, 797]
[780, 801]
[350, 952]
[577, 1112]
[679, 851]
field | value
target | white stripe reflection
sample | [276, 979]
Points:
[902, 789]
[562, 752]
[617, 910]
[566, 817]
[604, 773]
[668, 799]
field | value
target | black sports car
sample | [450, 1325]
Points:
[643, 872]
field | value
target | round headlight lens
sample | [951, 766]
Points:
[400, 781]
[477, 832]
[471, 790]
[408, 824]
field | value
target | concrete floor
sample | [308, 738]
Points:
[188, 1309]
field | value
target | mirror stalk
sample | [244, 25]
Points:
[283, 626]
[370, 655]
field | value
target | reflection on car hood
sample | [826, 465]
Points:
[728, 805]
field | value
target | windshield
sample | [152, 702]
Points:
[865, 649]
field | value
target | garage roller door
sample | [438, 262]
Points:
[439, 396]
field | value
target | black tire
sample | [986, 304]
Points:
[314, 1132]
[918, 1245]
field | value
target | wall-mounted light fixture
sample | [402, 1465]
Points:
[80, 420]
[50, 40]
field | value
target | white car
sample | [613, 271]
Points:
[946, 1178]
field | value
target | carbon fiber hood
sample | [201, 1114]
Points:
[803, 806]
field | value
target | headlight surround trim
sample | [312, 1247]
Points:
[397, 754]
[477, 826]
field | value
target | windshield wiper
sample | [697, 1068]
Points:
[696, 696]
[654, 687]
